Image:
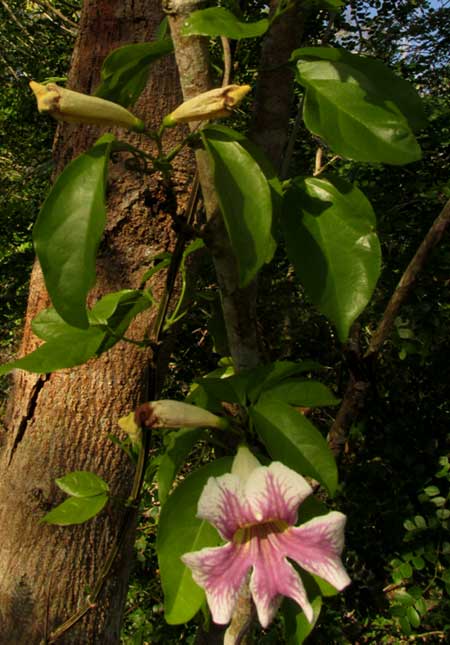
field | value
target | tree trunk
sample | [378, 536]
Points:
[60, 422]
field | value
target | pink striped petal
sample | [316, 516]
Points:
[223, 504]
[221, 571]
[316, 546]
[272, 578]
[274, 493]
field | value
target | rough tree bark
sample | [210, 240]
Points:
[60, 422]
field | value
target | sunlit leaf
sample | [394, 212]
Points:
[358, 106]
[82, 483]
[76, 510]
[330, 237]
[218, 21]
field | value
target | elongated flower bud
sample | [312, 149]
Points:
[213, 104]
[172, 414]
[75, 107]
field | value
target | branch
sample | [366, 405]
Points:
[239, 305]
[359, 384]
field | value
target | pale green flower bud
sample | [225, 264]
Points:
[171, 414]
[75, 107]
[213, 104]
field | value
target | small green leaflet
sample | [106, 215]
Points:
[68, 231]
[358, 106]
[76, 510]
[126, 70]
[82, 483]
[218, 21]
[329, 228]
[89, 494]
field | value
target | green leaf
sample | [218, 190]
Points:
[82, 483]
[181, 532]
[76, 510]
[303, 393]
[126, 70]
[68, 231]
[431, 491]
[405, 570]
[218, 21]
[115, 311]
[269, 375]
[290, 438]
[297, 627]
[245, 200]
[358, 106]
[71, 348]
[413, 617]
[180, 445]
[329, 226]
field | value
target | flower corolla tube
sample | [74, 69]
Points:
[254, 508]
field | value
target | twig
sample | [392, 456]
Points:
[359, 384]
[57, 12]
[14, 18]
[226, 61]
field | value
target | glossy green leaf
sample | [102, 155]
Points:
[245, 200]
[218, 21]
[290, 438]
[126, 70]
[181, 532]
[71, 348]
[303, 393]
[180, 444]
[48, 325]
[76, 510]
[82, 483]
[358, 106]
[329, 227]
[68, 231]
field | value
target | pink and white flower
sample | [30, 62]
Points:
[254, 508]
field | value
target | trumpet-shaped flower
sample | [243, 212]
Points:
[214, 104]
[76, 107]
[254, 508]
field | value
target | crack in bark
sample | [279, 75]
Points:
[31, 407]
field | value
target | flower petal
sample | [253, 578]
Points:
[274, 493]
[272, 578]
[222, 504]
[317, 545]
[221, 571]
